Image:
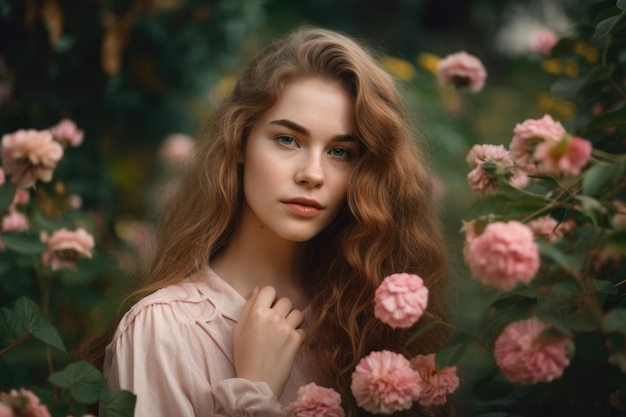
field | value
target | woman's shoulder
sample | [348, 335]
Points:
[183, 303]
[200, 299]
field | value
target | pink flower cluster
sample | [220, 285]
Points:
[524, 356]
[67, 133]
[15, 221]
[400, 300]
[547, 228]
[568, 156]
[21, 403]
[177, 149]
[490, 162]
[436, 383]
[543, 41]
[385, 382]
[542, 146]
[65, 247]
[315, 401]
[30, 155]
[461, 70]
[503, 255]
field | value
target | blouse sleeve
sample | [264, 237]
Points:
[155, 356]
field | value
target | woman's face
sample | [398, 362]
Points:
[297, 161]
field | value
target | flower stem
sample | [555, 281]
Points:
[16, 344]
[606, 156]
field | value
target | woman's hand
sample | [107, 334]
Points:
[266, 339]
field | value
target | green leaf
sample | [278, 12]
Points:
[23, 243]
[566, 289]
[615, 118]
[512, 300]
[48, 334]
[522, 208]
[516, 194]
[119, 403]
[7, 194]
[592, 208]
[545, 313]
[604, 287]
[450, 355]
[568, 88]
[25, 318]
[485, 205]
[606, 26]
[84, 382]
[600, 177]
[615, 321]
[569, 263]
[621, 4]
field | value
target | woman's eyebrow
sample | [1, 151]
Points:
[304, 131]
[291, 125]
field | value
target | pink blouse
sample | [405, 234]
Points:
[174, 350]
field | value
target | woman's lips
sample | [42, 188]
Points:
[303, 207]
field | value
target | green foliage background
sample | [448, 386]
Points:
[132, 72]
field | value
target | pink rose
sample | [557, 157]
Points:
[67, 133]
[461, 70]
[543, 41]
[564, 157]
[315, 401]
[524, 357]
[29, 155]
[528, 134]
[177, 148]
[547, 228]
[400, 300]
[504, 255]
[472, 229]
[490, 162]
[21, 197]
[384, 382]
[437, 383]
[75, 201]
[25, 403]
[14, 222]
[65, 247]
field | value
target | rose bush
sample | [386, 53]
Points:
[551, 247]
[45, 239]
[546, 238]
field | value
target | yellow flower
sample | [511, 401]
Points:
[399, 68]
[428, 61]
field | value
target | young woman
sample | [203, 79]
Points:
[309, 190]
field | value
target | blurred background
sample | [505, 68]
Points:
[141, 77]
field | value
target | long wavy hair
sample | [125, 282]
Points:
[388, 225]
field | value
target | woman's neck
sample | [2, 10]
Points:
[259, 258]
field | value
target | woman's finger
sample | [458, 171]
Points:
[265, 297]
[295, 318]
[282, 307]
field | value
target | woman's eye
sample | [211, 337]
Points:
[340, 153]
[286, 140]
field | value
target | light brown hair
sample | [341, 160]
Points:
[388, 225]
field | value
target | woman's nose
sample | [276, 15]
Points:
[310, 172]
